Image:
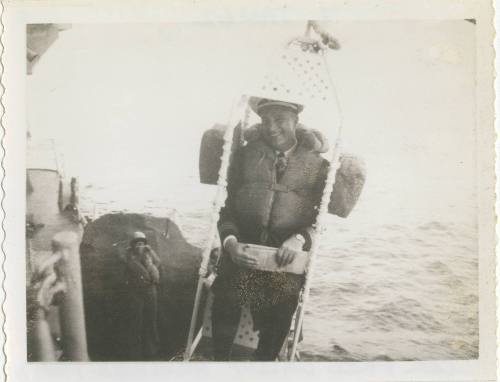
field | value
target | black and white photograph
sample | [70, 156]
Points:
[296, 190]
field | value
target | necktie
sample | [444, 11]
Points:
[281, 164]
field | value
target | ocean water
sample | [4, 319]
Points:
[390, 283]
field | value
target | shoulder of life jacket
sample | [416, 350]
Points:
[349, 179]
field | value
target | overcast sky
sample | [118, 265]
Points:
[134, 99]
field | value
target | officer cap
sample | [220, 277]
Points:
[258, 104]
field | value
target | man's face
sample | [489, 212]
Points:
[279, 124]
[139, 247]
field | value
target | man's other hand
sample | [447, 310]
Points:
[151, 253]
[239, 254]
[288, 251]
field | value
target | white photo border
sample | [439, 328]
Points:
[19, 13]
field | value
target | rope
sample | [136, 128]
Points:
[45, 282]
[326, 41]
[218, 203]
[326, 38]
[220, 197]
[320, 219]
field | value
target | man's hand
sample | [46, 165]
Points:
[238, 254]
[147, 260]
[151, 253]
[288, 251]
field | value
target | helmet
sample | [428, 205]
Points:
[138, 236]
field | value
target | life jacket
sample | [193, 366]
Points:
[349, 180]
[265, 211]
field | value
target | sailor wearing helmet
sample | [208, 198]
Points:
[143, 277]
[275, 184]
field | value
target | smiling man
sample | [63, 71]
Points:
[275, 185]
